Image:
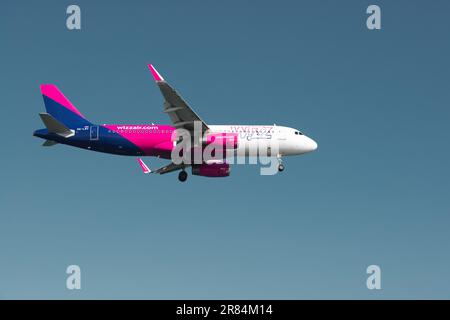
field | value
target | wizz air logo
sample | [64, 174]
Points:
[251, 132]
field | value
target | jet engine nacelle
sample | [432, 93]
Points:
[213, 170]
[222, 140]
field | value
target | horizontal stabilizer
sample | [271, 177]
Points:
[54, 126]
[49, 143]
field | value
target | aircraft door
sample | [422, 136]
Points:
[280, 134]
[94, 133]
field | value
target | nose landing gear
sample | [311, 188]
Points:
[182, 176]
[280, 164]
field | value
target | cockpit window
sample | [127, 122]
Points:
[298, 132]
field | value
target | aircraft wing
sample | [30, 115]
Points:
[180, 113]
[166, 169]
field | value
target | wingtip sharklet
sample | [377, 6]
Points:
[143, 166]
[155, 73]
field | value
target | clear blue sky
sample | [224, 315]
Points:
[375, 192]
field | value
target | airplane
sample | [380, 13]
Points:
[64, 124]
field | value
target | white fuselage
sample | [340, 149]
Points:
[277, 140]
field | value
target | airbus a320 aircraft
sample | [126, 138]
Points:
[66, 125]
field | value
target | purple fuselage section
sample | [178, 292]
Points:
[129, 140]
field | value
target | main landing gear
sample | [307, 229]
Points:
[182, 176]
[280, 164]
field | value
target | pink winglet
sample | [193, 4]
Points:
[155, 73]
[143, 166]
[52, 91]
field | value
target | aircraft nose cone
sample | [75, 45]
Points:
[311, 145]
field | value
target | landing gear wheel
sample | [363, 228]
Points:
[182, 176]
[280, 167]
